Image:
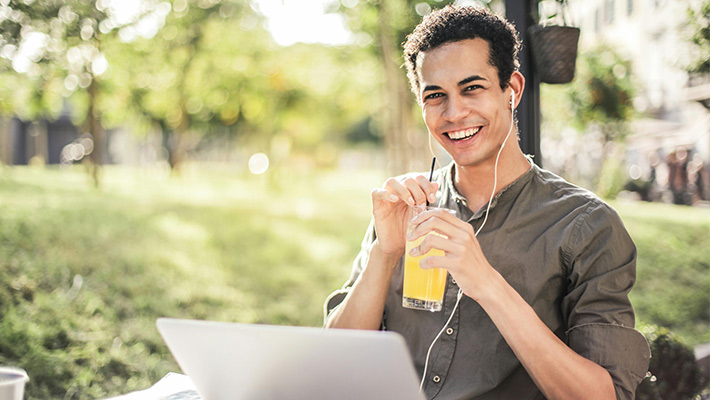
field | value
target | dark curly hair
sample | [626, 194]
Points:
[456, 23]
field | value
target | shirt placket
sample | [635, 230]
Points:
[443, 351]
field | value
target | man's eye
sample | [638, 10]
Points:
[473, 87]
[433, 96]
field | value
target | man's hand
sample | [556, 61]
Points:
[390, 206]
[364, 305]
[463, 257]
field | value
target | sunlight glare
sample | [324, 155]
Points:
[293, 21]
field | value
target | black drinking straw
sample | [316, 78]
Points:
[431, 174]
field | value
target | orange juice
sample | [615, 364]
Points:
[423, 288]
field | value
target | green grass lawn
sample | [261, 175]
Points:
[85, 272]
[673, 272]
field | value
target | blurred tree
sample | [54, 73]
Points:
[699, 31]
[187, 69]
[601, 95]
[199, 74]
[326, 95]
[57, 50]
[601, 100]
[213, 70]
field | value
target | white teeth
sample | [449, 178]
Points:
[466, 133]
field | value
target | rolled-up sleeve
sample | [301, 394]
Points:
[620, 350]
[334, 299]
[602, 271]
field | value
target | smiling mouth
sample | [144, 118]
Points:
[463, 134]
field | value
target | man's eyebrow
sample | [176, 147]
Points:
[431, 87]
[461, 83]
[471, 79]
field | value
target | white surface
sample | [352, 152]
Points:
[171, 386]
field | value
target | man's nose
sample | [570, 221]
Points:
[456, 109]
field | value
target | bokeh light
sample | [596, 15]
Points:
[635, 172]
[258, 163]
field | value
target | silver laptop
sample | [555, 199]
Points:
[266, 362]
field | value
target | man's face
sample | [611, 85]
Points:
[464, 108]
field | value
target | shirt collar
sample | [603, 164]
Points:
[453, 197]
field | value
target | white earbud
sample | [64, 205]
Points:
[512, 99]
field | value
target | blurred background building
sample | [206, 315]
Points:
[672, 129]
[650, 33]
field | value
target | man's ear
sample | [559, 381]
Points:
[517, 85]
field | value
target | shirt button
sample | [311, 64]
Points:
[436, 379]
[449, 331]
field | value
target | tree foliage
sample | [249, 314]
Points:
[52, 47]
[185, 69]
[602, 93]
[591, 114]
[192, 77]
[57, 49]
[699, 34]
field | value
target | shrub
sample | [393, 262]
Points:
[673, 371]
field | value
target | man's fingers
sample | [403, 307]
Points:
[384, 195]
[432, 242]
[416, 190]
[441, 221]
[433, 262]
[428, 187]
[413, 191]
[398, 189]
[444, 214]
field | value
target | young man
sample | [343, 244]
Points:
[545, 311]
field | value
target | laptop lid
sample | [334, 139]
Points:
[246, 361]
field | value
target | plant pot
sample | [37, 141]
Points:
[554, 50]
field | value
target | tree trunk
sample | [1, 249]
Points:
[405, 146]
[93, 124]
[176, 154]
[176, 143]
[41, 142]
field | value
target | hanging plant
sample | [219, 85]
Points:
[554, 47]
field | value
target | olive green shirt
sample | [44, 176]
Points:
[567, 254]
